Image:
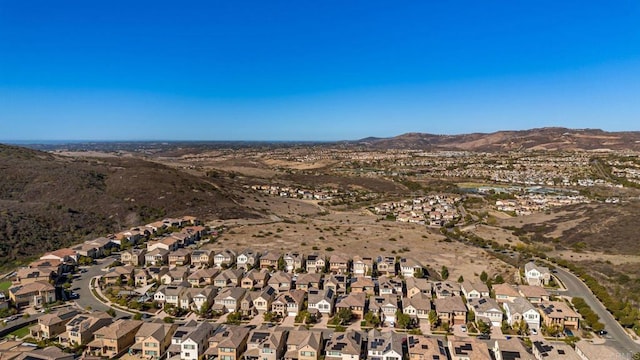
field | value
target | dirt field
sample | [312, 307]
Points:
[354, 233]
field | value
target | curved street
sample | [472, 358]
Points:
[617, 337]
[82, 286]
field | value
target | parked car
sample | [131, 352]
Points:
[603, 332]
[534, 332]
[463, 328]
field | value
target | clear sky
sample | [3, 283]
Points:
[314, 70]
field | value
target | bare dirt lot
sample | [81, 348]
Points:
[354, 233]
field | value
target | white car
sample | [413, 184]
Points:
[463, 328]
[534, 332]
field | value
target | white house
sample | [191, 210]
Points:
[521, 309]
[536, 275]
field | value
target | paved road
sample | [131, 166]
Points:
[619, 338]
[81, 285]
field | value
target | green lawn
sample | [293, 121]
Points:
[22, 332]
[5, 285]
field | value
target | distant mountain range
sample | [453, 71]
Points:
[551, 138]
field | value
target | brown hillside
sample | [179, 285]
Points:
[48, 201]
[553, 138]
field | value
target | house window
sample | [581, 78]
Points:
[189, 347]
[308, 353]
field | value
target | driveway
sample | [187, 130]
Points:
[620, 340]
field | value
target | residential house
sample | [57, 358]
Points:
[263, 301]
[281, 281]
[202, 258]
[486, 309]
[270, 260]
[589, 350]
[289, 303]
[29, 275]
[543, 350]
[31, 353]
[309, 280]
[426, 348]
[535, 294]
[156, 272]
[321, 300]
[344, 346]
[339, 264]
[416, 286]
[356, 302]
[228, 343]
[560, 314]
[169, 294]
[293, 262]
[197, 298]
[418, 307]
[505, 293]
[446, 289]
[451, 310]
[364, 285]
[385, 306]
[536, 275]
[409, 268]
[230, 298]
[224, 259]
[203, 277]
[175, 276]
[133, 257]
[113, 340]
[229, 278]
[64, 255]
[389, 285]
[152, 340]
[316, 263]
[247, 308]
[304, 345]
[80, 329]
[248, 259]
[118, 275]
[336, 282]
[168, 243]
[468, 348]
[156, 257]
[521, 309]
[196, 342]
[141, 277]
[37, 293]
[384, 346]
[386, 266]
[180, 257]
[511, 349]
[51, 325]
[179, 335]
[474, 290]
[266, 344]
[255, 279]
[362, 266]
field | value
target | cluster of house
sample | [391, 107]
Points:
[104, 336]
[33, 285]
[298, 193]
[433, 210]
[531, 203]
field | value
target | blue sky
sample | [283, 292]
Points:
[313, 70]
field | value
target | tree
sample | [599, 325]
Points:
[484, 327]
[281, 263]
[372, 319]
[403, 320]
[460, 279]
[433, 317]
[444, 273]
[137, 316]
[471, 316]
[111, 312]
[343, 316]
[234, 318]
[484, 276]
[418, 273]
